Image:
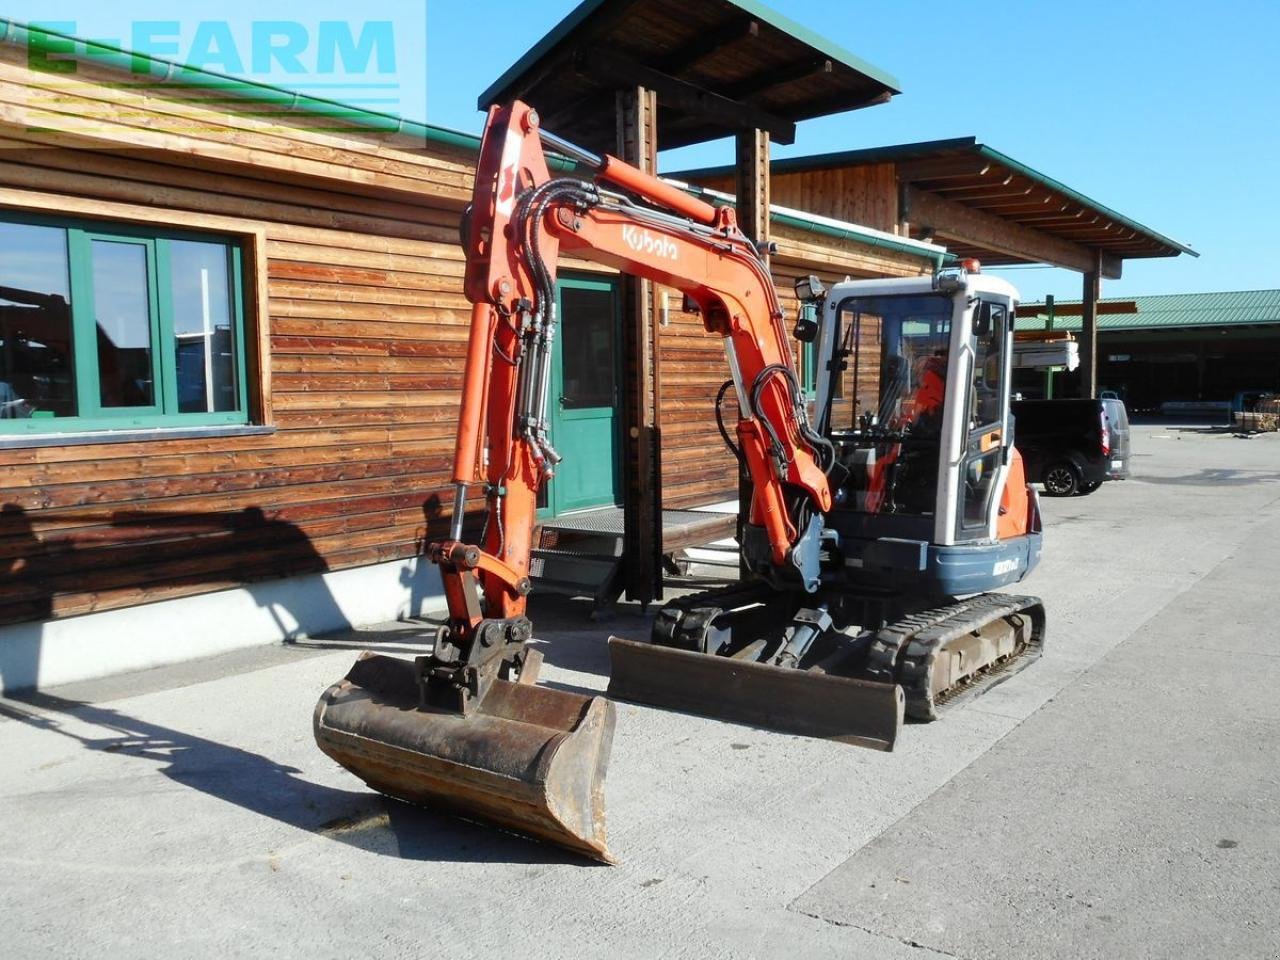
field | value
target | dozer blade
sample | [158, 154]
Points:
[805, 702]
[530, 759]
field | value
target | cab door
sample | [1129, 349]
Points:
[987, 439]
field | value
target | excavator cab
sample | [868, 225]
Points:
[914, 394]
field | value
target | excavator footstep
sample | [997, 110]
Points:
[530, 759]
[805, 702]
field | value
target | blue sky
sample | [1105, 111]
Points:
[1169, 113]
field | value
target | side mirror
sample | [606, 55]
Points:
[982, 320]
[806, 329]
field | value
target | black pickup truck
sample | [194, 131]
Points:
[1072, 446]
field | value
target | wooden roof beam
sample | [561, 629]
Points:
[978, 194]
[686, 57]
[839, 103]
[1045, 220]
[684, 96]
[942, 168]
[977, 228]
[973, 183]
[801, 70]
[576, 109]
[1106, 230]
[1013, 208]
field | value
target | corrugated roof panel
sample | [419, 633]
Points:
[1229, 308]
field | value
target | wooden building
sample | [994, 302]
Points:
[231, 339]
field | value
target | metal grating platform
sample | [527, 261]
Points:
[609, 520]
[680, 528]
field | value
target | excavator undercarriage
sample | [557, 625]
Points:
[866, 663]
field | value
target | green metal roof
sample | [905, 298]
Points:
[1231, 308]
[290, 102]
[585, 10]
[959, 148]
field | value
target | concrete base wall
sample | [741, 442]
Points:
[117, 641]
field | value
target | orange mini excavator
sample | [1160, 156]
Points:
[861, 537]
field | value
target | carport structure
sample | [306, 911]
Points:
[976, 201]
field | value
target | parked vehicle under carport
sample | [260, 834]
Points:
[1072, 446]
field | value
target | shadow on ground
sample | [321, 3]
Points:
[360, 819]
[409, 637]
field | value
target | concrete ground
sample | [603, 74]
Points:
[1119, 798]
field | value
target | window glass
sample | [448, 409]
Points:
[203, 327]
[899, 347]
[988, 364]
[113, 327]
[809, 367]
[808, 353]
[979, 476]
[985, 401]
[37, 372]
[122, 312]
[913, 373]
[587, 323]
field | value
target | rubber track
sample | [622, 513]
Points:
[723, 598]
[919, 648]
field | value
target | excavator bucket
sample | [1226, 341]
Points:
[806, 702]
[529, 758]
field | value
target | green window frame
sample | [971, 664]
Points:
[809, 356]
[92, 415]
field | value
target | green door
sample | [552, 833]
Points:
[585, 396]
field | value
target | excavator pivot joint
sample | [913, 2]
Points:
[457, 676]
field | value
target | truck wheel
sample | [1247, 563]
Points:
[1087, 488]
[1062, 479]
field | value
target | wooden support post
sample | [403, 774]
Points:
[753, 184]
[752, 191]
[1089, 328]
[637, 143]
[1048, 373]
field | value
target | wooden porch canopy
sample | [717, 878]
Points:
[980, 203]
[716, 67]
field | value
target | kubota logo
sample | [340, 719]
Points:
[642, 241]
